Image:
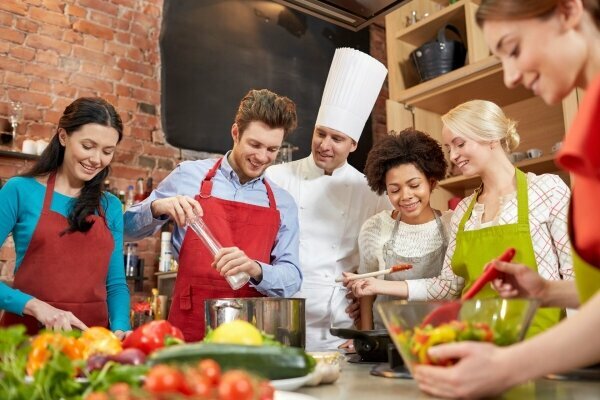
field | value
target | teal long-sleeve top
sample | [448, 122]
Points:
[21, 202]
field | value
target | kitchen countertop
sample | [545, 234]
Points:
[355, 382]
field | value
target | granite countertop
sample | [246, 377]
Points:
[356, 382]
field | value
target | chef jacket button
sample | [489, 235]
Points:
[333, 246]
[343, 213]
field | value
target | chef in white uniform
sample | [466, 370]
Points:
[333, 197]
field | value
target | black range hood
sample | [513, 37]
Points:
[351, 14]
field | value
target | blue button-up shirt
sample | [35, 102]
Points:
[281, 278]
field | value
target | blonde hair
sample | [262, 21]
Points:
[483, 121]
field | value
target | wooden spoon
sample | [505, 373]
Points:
[395, 268]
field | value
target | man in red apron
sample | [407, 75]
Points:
[255, 221]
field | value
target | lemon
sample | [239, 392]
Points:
[237, 332]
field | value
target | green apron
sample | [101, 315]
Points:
[587, 277]
[475, 248]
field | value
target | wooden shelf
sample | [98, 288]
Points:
[481, 80]
[18, 154]
[539, 165]
[420, 104]
[427, 28]
[168, 274]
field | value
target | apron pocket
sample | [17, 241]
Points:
[190, 315]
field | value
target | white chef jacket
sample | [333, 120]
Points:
[331, 211]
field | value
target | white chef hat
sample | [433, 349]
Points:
[353, 83]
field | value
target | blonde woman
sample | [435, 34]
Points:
[509, 209]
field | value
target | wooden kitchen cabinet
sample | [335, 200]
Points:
[166, 285]
[420, 105]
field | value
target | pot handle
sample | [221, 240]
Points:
[346, 333]
[441, 35]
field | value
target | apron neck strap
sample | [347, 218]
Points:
[270, 195]
[206, 185]
[522, 197]
[49, 191]
[465, 218]
[522, 201]
[440, 225]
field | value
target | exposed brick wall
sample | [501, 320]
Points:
[378, 51]
[52, 52]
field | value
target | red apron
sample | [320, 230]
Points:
[251, 228]
[66, 271]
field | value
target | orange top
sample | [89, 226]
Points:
[580, 154]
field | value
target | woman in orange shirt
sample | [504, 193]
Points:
[569, 58]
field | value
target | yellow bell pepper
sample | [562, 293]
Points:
[99, 340]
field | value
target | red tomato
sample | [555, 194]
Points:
[119, 390]
[266, 391]
[211, 370]
[200, 385]
[236, 385]
[165, 379]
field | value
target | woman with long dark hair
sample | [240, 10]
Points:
[68, 232]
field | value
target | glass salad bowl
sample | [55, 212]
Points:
[499, 321]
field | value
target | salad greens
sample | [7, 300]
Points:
[56, 379]
[414, 344]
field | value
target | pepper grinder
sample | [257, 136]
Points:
[197, 224]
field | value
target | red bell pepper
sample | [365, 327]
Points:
[153, 336]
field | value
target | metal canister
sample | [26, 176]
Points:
[284, 318]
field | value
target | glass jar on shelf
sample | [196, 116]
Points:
[131, 259]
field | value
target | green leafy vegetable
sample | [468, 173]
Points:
[56, 379]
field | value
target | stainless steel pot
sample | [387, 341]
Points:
[281, 317]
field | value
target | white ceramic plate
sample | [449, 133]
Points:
[292, 383]
[279, 395]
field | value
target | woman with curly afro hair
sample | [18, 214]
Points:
[406, 166]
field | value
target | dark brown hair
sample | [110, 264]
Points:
[491, 10]
[269, 108]
[409, 146]
[83, 111]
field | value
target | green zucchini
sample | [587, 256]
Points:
[270, 362]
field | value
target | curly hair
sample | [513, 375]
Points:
[409, 146]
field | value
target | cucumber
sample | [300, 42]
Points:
[270, 362]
